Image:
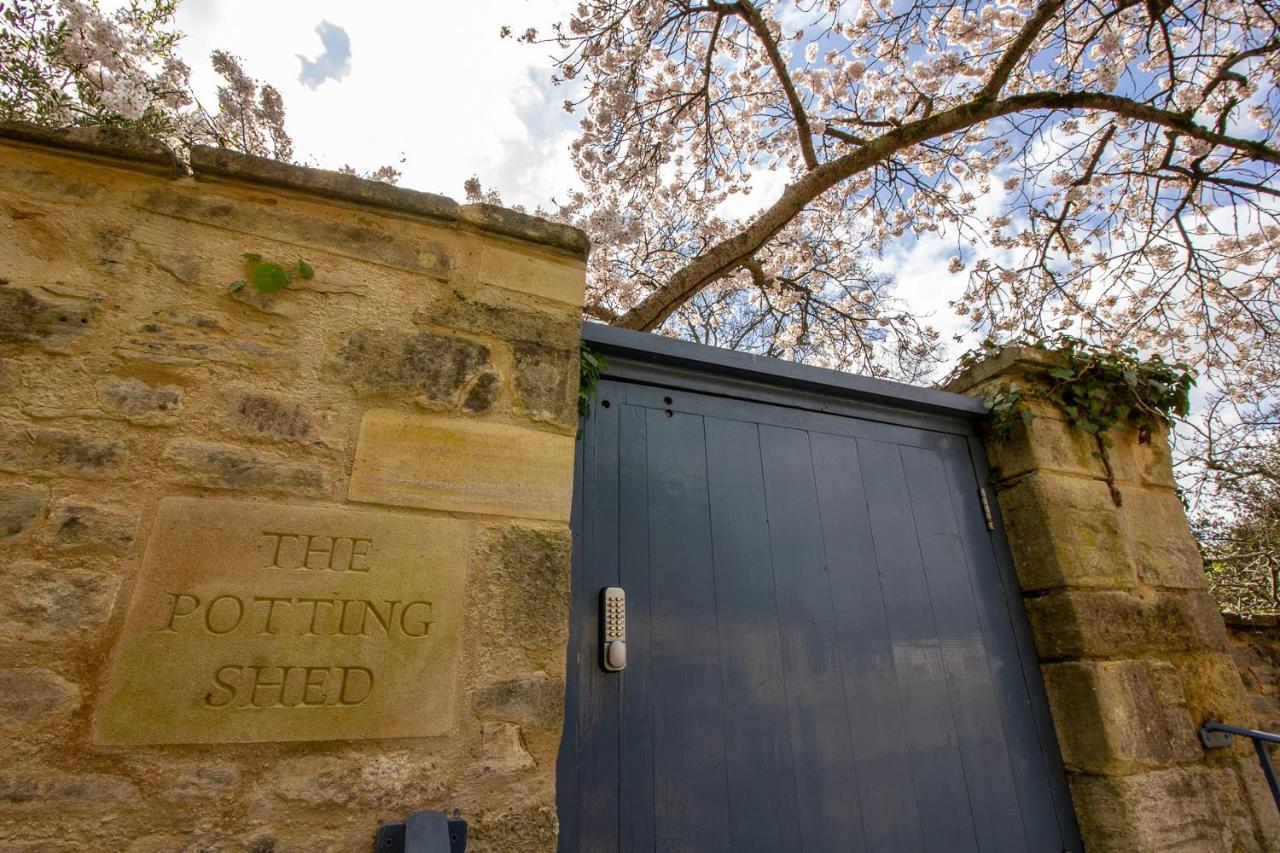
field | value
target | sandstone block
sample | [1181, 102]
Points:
[205, 781]
[1165, 550]
[74, 524]
[44, 787]
[41, 602]
[1066, 532]
[229, 466]
[1048, 443]
[1117, 717]
[533, 272]
[315, 780]
[482, 394]
[528, 571]
[546, 383]
[1143, 456]
[438, 462]
[274, 417]
[1247, 811]
[1213, 688]
[48, 452]
[1109, 623]
[33, 316]
[185, 338]
[505, 322]
[435, 368]
[30, 698]
[535, 700]
[141, 403]
[503, 750]
[44, 184]
[515, 830]
[21, 506]
[354, 235]
[1165, 810]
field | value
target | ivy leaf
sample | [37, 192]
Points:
[268, 278]
[305, 271]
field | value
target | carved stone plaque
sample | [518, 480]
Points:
[266, 622]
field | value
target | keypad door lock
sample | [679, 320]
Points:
[613, 628]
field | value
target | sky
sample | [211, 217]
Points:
[428, 83]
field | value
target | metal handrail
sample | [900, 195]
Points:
[1217, 735]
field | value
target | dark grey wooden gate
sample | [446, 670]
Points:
[826, 648]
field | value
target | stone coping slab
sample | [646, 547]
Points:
[140, 149]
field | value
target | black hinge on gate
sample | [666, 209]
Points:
[423, 832]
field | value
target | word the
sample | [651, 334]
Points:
[318, 553]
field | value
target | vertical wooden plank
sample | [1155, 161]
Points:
[890, 821]
[830, 815]
[690, 792]
[1048, 820]
[761, 774]
[993, 798]
[567, 758]
[926, 707]
[636, 750]
[598, 810]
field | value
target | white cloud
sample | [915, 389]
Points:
[429, 82]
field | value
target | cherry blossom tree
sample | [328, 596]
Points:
[1104, 168]
[68, 63]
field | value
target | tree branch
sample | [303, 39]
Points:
[1031, 29]
[761, 28]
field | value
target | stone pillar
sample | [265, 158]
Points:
[1133, 649]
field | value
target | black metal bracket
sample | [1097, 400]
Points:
[423, 832]
[1217, 735]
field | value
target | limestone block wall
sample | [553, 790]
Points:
[276, 569]
[1255, 644]
[1134, 653]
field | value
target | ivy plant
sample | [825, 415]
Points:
[590, 366]
[1097, 390]
[268, 277]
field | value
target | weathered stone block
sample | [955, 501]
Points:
[462, 465]
[44, 184]
[1048, 443]
[533, 272]
[435, 368]
[531, 830]
[1116, 717]
[45, 787]
[141, 403]
[535, 700]
[1142, 456]
[1212, 687]
[1245, 806]
[41, 602]
[275, 417]
[48, 452]
[1165, 550]
[186, 338]
[229, 466]
[205, 781]
[505, 322]
[315, 780]
[30, 698]
[528, 571]
[502, 749]
[1109, 623]
[1066, 532]
[546, 383]
[21, 506]
[1164, 810]
[355, 235]
[28, 315]
[74, 524]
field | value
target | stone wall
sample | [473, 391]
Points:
[275, 569]
[1133, 651]
[1255, 644]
